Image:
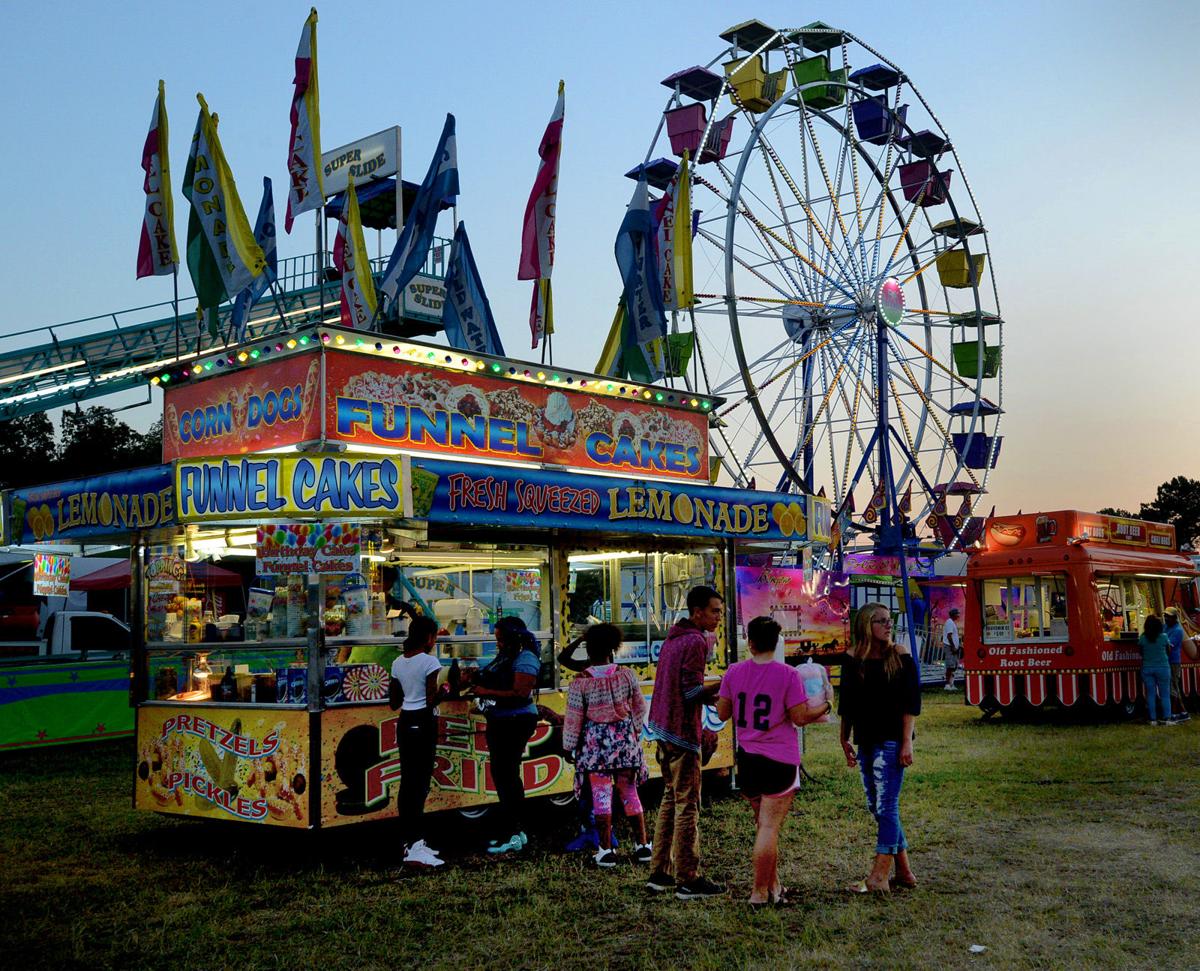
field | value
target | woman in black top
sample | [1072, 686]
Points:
[879, 699]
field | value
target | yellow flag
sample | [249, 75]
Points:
[682, 250]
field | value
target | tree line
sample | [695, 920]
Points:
[90, 441]
[1176, 502]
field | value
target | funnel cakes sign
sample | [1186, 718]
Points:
[375, 401]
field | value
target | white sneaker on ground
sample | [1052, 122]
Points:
[605, 858]
[421, 854]
[643, 852]
[949, 687]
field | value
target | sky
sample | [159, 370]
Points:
[1071, 121]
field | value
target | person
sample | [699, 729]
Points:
[1174, 633]
[951, 647]
[506, 687]
[767, 699]
[602, 733]
[1156, 670]
[414, 692]
[674, 724]
[880, 698]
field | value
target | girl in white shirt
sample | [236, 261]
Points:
[413, 690]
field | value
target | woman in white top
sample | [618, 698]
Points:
[413, 691]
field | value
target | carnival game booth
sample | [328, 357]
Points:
[1055, 604]
[469, 488]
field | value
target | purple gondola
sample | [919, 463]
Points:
[875, 121]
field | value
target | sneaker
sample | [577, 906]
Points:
[421, 854]
[643, 853]
[1173, 720]
[698, 888]
[949, 687]
[660, 882]
[514, 844]
[605, 858]
[1153, 723]
[1183, 716]
[524, 840]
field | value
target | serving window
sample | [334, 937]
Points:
[1125, 601]
[644, 593]
[1024, 608]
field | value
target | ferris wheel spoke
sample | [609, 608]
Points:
[763, 229]
[809, 214]
[932, 413]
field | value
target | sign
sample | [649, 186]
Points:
[222, 762]
[121, 502]
[291, 487]
[491, 495]
[386, 402]
[1059, 528]
[166, 573]
[308, 548]
[51, 575]
[373, 157]
[812, 612]
[268, 406]
[360, 760]
[422, 298]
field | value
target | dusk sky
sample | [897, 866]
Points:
[1070, 121]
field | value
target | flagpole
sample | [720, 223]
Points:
[320, 263]
[175, 305]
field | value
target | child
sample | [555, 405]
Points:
[603, 730]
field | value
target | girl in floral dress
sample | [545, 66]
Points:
[602, 732]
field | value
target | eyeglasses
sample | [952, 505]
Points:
[882, 620]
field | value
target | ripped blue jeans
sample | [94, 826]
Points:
[882, 777]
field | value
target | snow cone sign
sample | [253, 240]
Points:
[308, 548]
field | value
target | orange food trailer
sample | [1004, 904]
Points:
[1055, 603]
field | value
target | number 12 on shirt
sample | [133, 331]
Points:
[761, 715]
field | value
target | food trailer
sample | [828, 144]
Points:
[366, 478]
[1055, 603]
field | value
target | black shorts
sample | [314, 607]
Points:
[758, 775]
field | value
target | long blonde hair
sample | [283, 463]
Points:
[860, 641]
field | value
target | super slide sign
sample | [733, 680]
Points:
[242, 488]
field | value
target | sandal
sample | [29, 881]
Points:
[862, 888]
[895, 883]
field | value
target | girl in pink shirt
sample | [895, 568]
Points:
[767, 701]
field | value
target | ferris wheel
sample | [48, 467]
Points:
[845, 303]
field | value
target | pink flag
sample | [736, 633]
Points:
[157, 253]
[306, 189]
[537, 230]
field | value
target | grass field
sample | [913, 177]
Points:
[1053, 845]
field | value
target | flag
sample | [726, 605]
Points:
[638, 263]
[306, 189]
[351, 257]
[222, 254]
[537, 229]
[466, 313]
[906, 501]
[681, 249]
[622, 358]
[541, 310]
[264, 235]
[438, 190]
[157, 252]
[875, 506]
